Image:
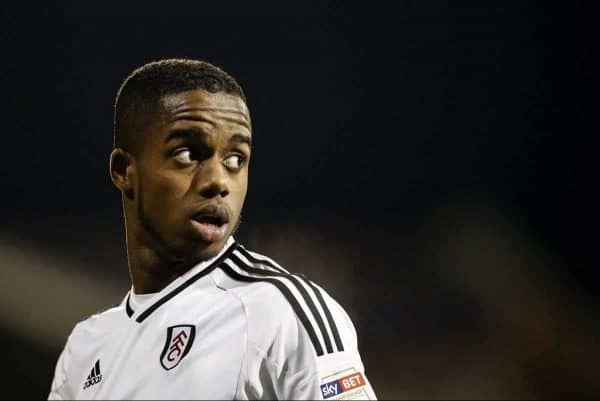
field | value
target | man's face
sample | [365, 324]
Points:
[192, 173]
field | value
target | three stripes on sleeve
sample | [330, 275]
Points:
[317, 319]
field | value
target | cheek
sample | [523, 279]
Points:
[240, 192]
[164, 189]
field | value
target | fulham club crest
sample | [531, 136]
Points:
[179, 342]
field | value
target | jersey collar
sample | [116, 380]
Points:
[179, 284]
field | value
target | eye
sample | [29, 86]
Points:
[234, 162]
[183, 156]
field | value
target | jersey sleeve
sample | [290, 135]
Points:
[292, 358]
[342, 373]
[58, 388]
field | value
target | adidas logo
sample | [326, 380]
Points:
[94, 377]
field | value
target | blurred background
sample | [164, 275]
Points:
[430, 164]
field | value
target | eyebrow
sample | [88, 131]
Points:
[185, 133]
[189, 132]
[241, 138]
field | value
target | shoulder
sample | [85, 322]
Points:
[95, 328]
[85, 336]
[284, 306]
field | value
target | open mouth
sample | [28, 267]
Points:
[208, 219]
[211, 222]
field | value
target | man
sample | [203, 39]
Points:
[205, 317]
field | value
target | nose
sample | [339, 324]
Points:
[211, 179]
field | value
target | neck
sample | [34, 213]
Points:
[149, 272]
[152, 265]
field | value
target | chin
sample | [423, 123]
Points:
[196, 249]
[209, 251]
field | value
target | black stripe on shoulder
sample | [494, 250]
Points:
[256, 260]
[311, 305]
[330, 320]
[185, 285]
[286, 293]
[128, 309]
[317, 292]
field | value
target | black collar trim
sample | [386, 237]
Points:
[144, 315]
[128, 308]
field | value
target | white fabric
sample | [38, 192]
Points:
[137, 301]
[249, 343]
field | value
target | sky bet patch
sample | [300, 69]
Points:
[344, 385]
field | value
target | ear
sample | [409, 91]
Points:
[122, 171]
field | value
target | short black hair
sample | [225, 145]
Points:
[138, 97]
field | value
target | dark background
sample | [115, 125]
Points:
[431, 164]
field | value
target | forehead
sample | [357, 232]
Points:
[198, 105]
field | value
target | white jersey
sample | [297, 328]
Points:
[236, 327]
